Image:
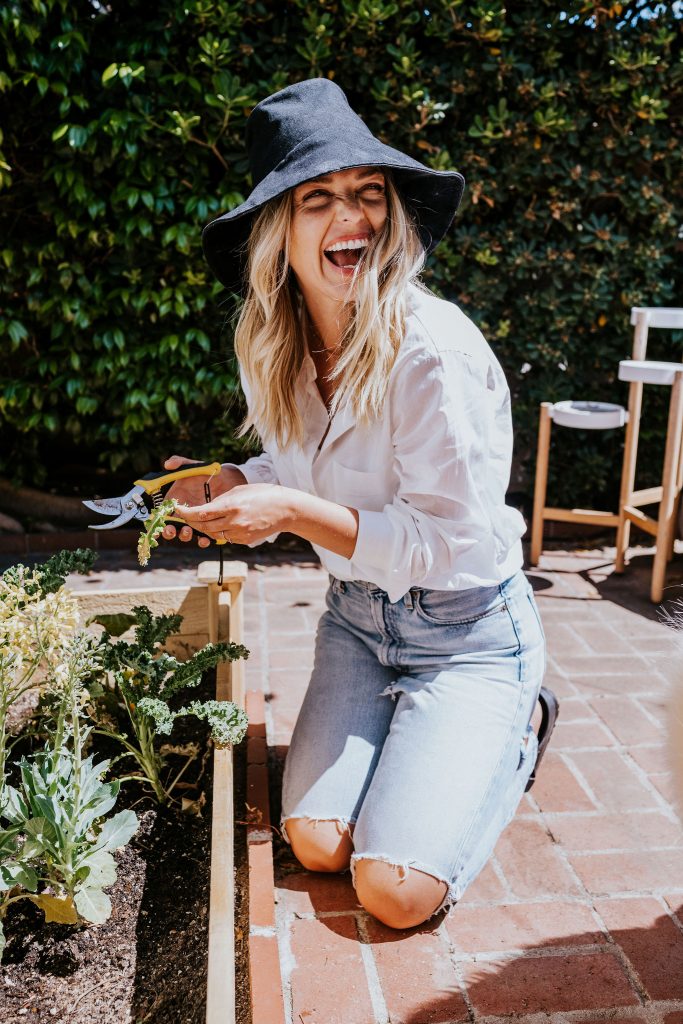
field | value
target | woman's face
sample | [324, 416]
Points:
[334, 217]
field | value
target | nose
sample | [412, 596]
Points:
[350, 208]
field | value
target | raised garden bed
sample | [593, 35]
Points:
[176, 933]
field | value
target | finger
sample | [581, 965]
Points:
[203, 542]
[185, 533]
[168, 532]
[176, 461]
[200, 513]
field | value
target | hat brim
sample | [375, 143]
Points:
[432, 198]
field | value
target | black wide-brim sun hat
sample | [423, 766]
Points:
[308, 130]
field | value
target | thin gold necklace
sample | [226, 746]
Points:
[311, 328]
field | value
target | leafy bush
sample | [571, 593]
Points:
[124, 131]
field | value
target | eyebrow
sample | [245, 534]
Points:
[371, 173]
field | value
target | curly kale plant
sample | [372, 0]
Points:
[142, 684]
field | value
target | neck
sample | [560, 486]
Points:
[329, 320]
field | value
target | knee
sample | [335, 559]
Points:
[320, 845]
[399, 897]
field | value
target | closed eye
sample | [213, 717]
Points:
[373, 189]
[315, 194]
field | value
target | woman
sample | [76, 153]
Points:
[385, 422]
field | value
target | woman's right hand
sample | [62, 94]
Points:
[190, 491]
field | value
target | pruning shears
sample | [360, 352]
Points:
[147, 494]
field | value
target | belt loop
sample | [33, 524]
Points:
[408, 600]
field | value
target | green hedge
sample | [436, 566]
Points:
[123, 135]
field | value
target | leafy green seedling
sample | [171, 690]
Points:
[153, 527]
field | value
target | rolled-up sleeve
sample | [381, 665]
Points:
[443, 411]
[258, 470]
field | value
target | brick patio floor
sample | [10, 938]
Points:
[578, 917]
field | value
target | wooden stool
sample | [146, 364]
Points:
[663, 528]
[630, 500]
[637, 371]
[584, 415]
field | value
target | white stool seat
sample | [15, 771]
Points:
[649, 371]
[588, 415]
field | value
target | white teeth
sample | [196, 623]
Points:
[353, 243]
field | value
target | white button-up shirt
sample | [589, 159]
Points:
[429, 477]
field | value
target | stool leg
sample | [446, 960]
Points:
[672, 455]
[628, 471]
[541, 483]
[677, 505]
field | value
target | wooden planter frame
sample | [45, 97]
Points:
[212, 613]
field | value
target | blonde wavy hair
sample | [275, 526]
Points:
[270, 336]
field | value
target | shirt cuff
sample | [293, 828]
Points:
[252, 472]
[374, 542]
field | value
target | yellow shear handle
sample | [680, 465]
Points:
[155, 483]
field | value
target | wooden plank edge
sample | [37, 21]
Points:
[265, 977]
[220, 982]
[222, 624]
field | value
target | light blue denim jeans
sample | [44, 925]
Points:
[416, 723]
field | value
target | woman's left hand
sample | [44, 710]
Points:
[246, 514]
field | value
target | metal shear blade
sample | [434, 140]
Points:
[130, 506]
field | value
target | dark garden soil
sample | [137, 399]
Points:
[148, 962]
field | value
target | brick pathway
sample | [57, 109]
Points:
[577, 918]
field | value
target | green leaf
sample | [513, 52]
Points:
[78, 136]
[110, 72]
[15, 873]
[228, 721]
[16, 809]
[59, 132]
[115, 624]
[172, 409]
[93, 904]
[40, 835]
[17, 332]
[117, 831]
[101, 869]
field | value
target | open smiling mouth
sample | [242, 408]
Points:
[348, 254]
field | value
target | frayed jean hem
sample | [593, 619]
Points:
[453, 890]
[343, 822]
